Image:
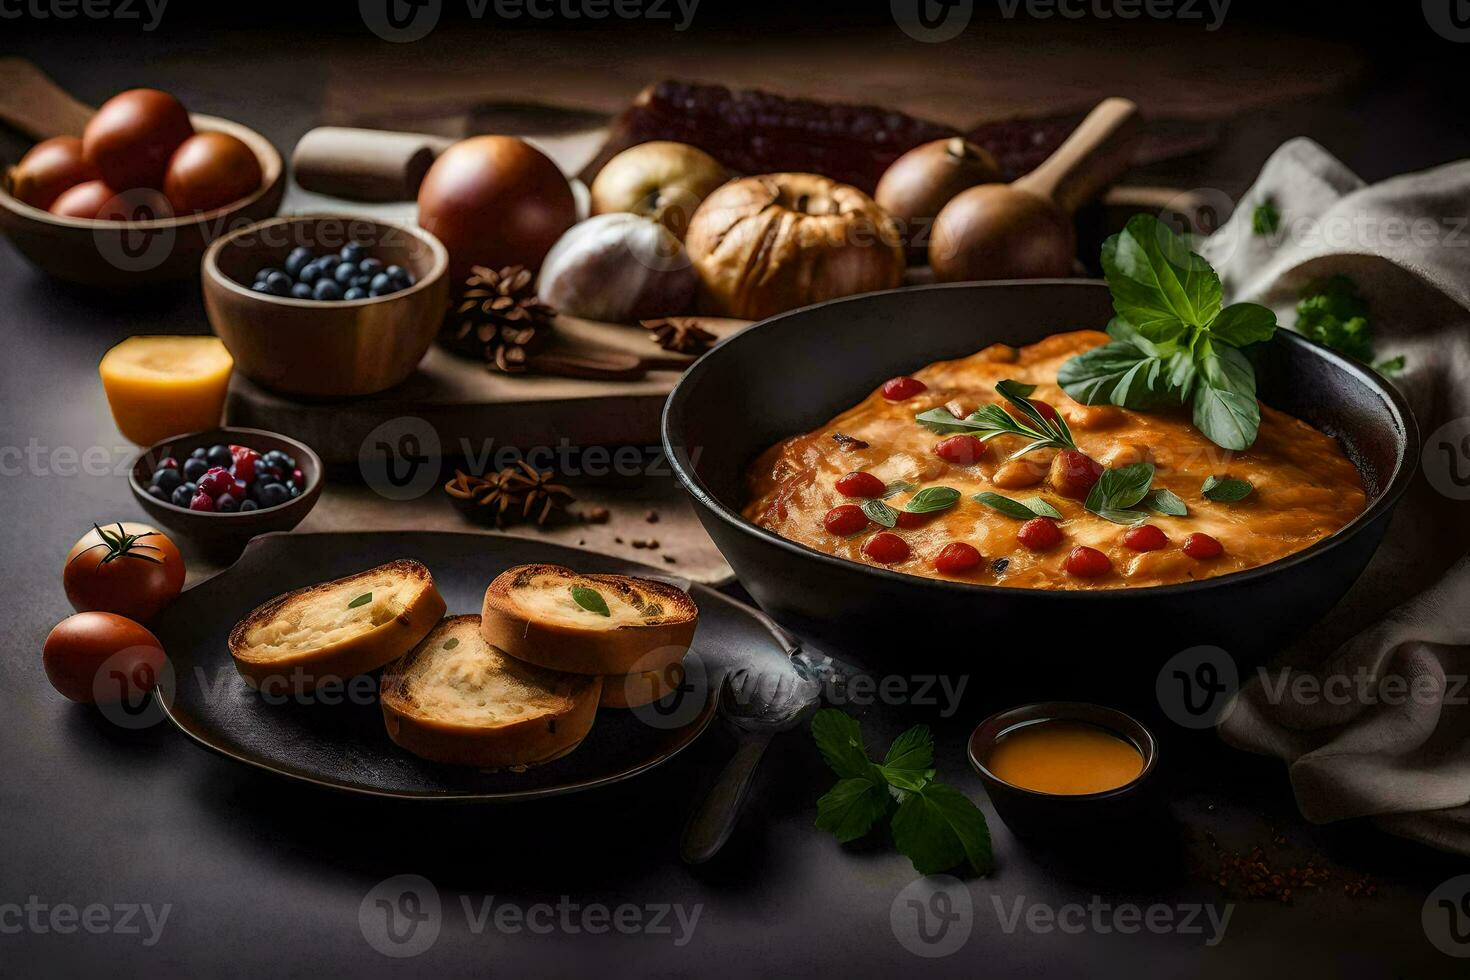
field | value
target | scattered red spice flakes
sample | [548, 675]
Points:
[1257, 874]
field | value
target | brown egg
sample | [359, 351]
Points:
[997, 231]
[208, 171]
[51, 166]
[495, 201]
[85, 200]
[917, 186]
[133, 135]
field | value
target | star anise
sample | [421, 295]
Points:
[681, 334]
[500, 318]
[517, 494]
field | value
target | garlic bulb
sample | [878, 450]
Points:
[620, 268]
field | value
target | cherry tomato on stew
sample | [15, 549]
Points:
[960, 450]
[129, 569]
[1072, 473]
[99, 657]
[957, 558]
[1145, 537]
[1039, 534]
[907, 520]
[1085, 562]
[860, 485]
[1202, 546]
[845, 519]
[899, 389]
[885, 547]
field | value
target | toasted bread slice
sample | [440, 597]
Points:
[531, 614]
[645, 687]
[331, 631]
[455, 698]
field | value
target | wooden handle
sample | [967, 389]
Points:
[365, 164]
[37, 106]
[1094, 156]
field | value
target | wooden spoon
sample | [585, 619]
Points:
[1023, 230]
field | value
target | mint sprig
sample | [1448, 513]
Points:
[1173, 343]
[933, 824]
[989, 421]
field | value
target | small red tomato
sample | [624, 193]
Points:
[899, 389]
[957, 559]
[1039, 534]
[1202, 546]
[1073, 473]
[245, 460]
[1044, 408]
[48, 169]
[907, 520]
[129, 569]
[201, 501]
[1145, 537]
[845, 519]
[960, 450]
[216, 481]
[885, 547]
[860, 485]
[101, 657]
[1087, 562]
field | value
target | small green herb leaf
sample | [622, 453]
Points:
[909, 764]
[1041, 508]
[1015, 508]
[931, 499]
[895, 488]
[880, 513]
[848, 810]
[1225, 490]
[1158, 285]
[590, 600]
[1120, 373]
[361, 600]
[1240, 324]
[1333, 313]
[840, 740]
[1165, 502]
[1265, 219]
[1128, 517]
[1225, 406]
[1390, 367]
[1120, 489]
[993, 420]
[939, 828]
[451, 643]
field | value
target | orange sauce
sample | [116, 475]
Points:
[1064, 758]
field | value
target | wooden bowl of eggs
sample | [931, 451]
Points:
[133, 193]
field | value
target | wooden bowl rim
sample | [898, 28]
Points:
[272, 168]
[307, 499]
[214, 274]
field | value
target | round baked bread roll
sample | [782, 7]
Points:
[627, 625]
[337, 629]
[644, 687]
[456, 699]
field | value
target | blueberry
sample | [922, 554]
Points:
[279, 283]
[195, 466]
[167, 480]
[248, 505]
[352, 252]
[326, 290]
[260, 287]
[301, 291]
[344, 273]
[356, 292]
[310, 273]
[183, 494]
[219, 455]
[266, 273]
[296, 261]
[396, 272]
[294, 490]
[226, 504]
[157, 493]
[274, 495]
[370, 266]
[362, 282]
[198, 453]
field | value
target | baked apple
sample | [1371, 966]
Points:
[763, 245]
[662, 180]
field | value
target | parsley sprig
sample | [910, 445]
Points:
[935, 825]
[989, 421]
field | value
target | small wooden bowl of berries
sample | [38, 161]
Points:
[220, 488]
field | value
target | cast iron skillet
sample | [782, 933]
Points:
[793, 372]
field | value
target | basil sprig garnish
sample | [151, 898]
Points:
[1117, 491]
[590, 600]
[989, 421]
[1225, 490]
[361, 600]
[931, 499]
[1173, 343]
[879, 513]
[1021, 510]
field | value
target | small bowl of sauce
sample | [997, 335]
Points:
[1061, 765]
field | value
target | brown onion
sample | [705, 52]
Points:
[922, 181]
[996, 231]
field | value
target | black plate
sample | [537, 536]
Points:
[344, 745]
[795, 371]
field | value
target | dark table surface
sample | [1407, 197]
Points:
[259, 875]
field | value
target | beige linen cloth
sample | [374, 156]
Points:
[1392, 742]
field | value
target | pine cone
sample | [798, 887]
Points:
[500, 318]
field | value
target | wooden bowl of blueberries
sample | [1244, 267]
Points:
[326, 307]
[221, 487]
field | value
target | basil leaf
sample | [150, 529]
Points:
[1119, 373]
[1225, 490]
[1225, 406]
[880, 513]
[451, 643]
[361, 600]
[1240, 324]
[848, 810]
[931, 499]
[1011, 388]
[909, 764]
[942, 421]
[1121, 488]
[1165, 502]
[840, 740]
[590, 600]
[1158, 285]
[1007, 506]
[1041, 508]
[896, 487]
[938, 828]
[1119, 516]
